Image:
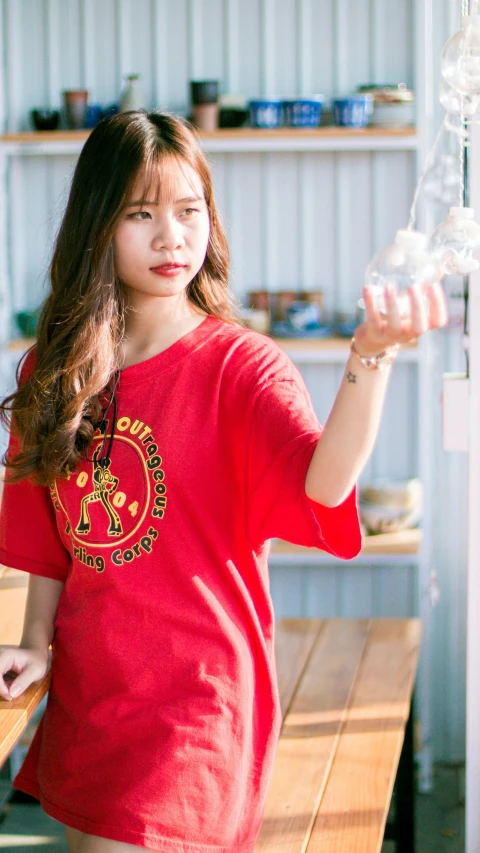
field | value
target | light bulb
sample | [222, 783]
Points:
[455, 103]
[405, 263]
[442, 181]
[455, 243]
[460, 60]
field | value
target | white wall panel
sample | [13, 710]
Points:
[101, 37]
[255, 47]
[244, 211]
[344, 590]
[353, 229]
[70, 46]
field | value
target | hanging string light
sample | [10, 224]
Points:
[460, 62]
[455, 243]
[405, 263]
[454, 246]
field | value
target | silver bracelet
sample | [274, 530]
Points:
[376, 362]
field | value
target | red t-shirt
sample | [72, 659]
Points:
[163, 715]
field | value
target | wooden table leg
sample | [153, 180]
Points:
[402, 829]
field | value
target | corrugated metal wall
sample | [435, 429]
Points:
[294, 220]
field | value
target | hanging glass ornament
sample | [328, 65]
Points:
[442, 181]
[455, 243]
[456, 124]
[460, 61]
[455, 103]
[405, 263]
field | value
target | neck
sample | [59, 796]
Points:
[154, 323]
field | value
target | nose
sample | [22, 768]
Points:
[169, 235]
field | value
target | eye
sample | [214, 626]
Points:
[140, 215]
[189, 211]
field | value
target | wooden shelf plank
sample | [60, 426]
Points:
[310, 735]
[360, 784]
[229, 133]
[304, 345]
[404, 542]
[241, 140]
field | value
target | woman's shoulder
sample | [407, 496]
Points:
[26, 365]
[252, 353]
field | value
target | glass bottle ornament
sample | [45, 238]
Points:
[132, 97]
[455, 103]
[460, 60]
[405, 263]
[455, 243]
[442, 181]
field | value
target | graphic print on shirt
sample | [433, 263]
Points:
[109, 504]
[104, 485]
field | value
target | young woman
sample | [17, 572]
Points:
[156, 447]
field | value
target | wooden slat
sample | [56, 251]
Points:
[294, 640]
[404, 542]
[13, 597]
[14, 716]
[309, 737]
[224, 133]
[354, 809]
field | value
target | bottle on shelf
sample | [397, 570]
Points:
[132, 97]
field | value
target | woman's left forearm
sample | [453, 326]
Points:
[352, 427]
[349, 435]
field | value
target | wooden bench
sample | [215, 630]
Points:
[346, 691]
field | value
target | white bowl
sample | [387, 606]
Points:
[393, 115]
[382, 519]
[397, 494]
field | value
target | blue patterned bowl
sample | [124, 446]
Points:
[354, 111]
[303, 112]
[265, 112]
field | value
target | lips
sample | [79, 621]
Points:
[168, 267]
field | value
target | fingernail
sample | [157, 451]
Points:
[15, 690]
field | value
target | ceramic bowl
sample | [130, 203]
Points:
[383, 519]
[393, 115]
[354, 111]
[394, 494]
[27, 322]
[45, 119]
[303, 112]
[266, 112]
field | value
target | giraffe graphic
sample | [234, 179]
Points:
[104, 485]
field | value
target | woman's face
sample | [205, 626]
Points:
[160, 244]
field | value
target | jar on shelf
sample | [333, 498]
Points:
[132, 97]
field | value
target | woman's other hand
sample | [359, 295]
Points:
[428, 310]
[26, 666]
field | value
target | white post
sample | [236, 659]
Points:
[472, 828]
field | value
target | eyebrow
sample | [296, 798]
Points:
[177, 201]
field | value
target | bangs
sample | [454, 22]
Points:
[157, 179]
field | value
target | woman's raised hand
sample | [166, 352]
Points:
[383, 330]
[27, 666]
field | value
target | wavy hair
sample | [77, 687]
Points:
[55, 409]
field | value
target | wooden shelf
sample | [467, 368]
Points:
[240, 140]
[405, 542]
[331, 350]
[312, 350]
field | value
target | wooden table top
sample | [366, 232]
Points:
[345, 690]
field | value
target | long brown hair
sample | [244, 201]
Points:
[56, 407]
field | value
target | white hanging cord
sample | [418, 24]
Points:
[463, 141]
[428, 163]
